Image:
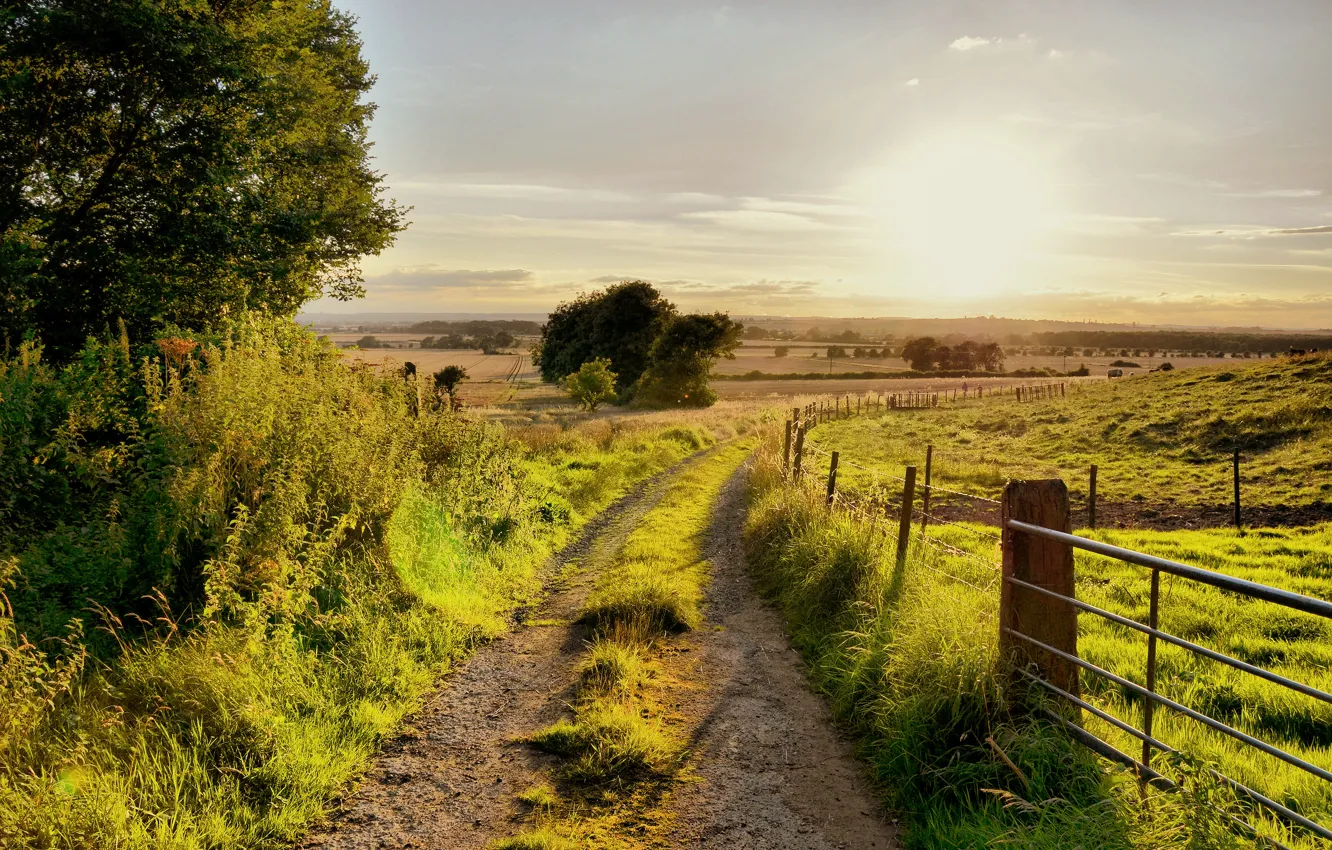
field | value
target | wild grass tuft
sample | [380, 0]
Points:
[610, 669]
[608, 741]
[537, 839]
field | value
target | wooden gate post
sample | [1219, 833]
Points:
[1044, 563]
[832, 479]
[904, 526]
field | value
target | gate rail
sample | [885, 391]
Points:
[1038, 630]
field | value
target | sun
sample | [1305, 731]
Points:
[965, 211]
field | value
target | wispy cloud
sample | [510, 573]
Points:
[1301, 231]
[968, 42]
[971, 42]
[1276, 193]
[756, 220]
[427, 278]
[1254, 231]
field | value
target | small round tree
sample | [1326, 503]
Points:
[592, 384]
[447, 381]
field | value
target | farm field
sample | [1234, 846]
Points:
[758, 356]
[1160, 441]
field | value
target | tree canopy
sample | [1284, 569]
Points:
[618, 324]
[170, 161]
[682, 357]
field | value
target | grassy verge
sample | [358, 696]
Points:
[907, 655]
[1158, 438]
[227, 578]
[618, 761]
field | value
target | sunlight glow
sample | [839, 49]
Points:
[965, 211]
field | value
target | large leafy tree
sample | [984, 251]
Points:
[617, 324]
[170, 161]
[682, 357]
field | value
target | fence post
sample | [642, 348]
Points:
[832, 479]
[1044, 563]
[1238, 525]
[786, 451]
[1091, 499]
[799, 450]
[904, 527]
[858, 400]
[925, 496]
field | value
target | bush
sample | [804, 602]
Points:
[592, 384]
[235, 572]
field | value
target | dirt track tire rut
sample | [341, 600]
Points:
[449, 780]
[775, 774]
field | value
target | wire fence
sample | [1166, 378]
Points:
[1039, 642]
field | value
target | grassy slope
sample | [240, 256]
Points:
[908, 657]
[619, 761]
[234, 731]
[1162, 437]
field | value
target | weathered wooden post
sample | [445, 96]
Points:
[1238, 525]
[925, 496]
[832, 480]
[859, 399]
[799, 450]
[409, 375]
[1047, 564]
[1091, 498]
[786, 451]
[904, 526]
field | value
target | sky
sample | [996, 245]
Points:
[1116, 160]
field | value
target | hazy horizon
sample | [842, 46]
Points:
[1165, 164]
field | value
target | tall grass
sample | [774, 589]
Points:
[907, 655]
[229, 575]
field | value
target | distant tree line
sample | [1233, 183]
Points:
[489, 343]
[478, 327]
[1181, 341]
[927, 354]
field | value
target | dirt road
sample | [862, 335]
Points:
[766, 768]
[775, 775]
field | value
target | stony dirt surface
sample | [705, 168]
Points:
[450, 779]
[767, 770]
[774, 773]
